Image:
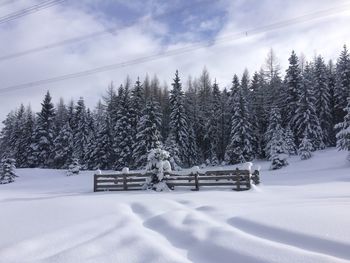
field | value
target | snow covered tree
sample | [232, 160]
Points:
[293, 83]
[42, 146]
[158, 164]
[278, 152]
[137, 103]
[305, 147]
[148, 133]
[274, 125]
[343, 128]
[259, 113]
[342, 87]
[240, 148]
[102, 156]
[74, 167]
[323, 98]
[6, 135]
[305, 119]
[7, 172]
[225, 123]
[81, 131]
[61, 116]
[178, 121]
[289, 141]
[192, 108]
[123, 130]
[213, 128]
[63, 147]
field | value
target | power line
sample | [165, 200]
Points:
[95, 34]
[29, 10]
[190, 48]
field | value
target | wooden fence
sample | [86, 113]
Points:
[238, 180]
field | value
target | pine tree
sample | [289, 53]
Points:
[331, 82]
[7, 172]
[225, 123]
[204, 89]
[259, 113]
[290, 141]
[192, 108]
[305, 147]
[6, 135]
[342, 87]
[343, 135]
[274, 125]
[305, 120]
[293, 83]
[148, 133]
[102, 157]
[123, 139]
[278, 152]
[80, 131]
[240, 148]
[178, 121]
[213, 128]
[28, 131]
[43, 137]
[61, 116]
[64, 147]
[19, 138]
[323, 98]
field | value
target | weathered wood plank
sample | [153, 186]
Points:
[238, 179]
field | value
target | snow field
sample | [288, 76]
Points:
[299, 214]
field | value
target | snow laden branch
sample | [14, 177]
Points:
[159, 166]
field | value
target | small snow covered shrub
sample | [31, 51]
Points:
[305, 148]
[8, 171]
[278, 153]
[74, 168]
[158, 165]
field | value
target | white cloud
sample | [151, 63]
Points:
[325, 36]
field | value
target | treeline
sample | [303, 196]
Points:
[264, 115]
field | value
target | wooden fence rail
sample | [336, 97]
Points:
[238, 180]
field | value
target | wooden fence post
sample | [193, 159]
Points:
[196, 181]
[95, 182]
[124, 182]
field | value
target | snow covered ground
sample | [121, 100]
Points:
[298, 214]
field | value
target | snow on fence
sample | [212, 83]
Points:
[239, 180]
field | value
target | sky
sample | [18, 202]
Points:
[142, 28]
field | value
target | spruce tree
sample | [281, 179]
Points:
[305, 119]
[259, 113]
[278, 152]
[148, 133]
[241, 137]
[305, 147]
[7, 172]
[293, 83]
[6, 135]
[290, 141]
[64, 147]
[102, 157]
[178, 121]
[323, 99]
[343, 134]
[19, 138]
[123, 130]
[274, 125]
[42, 146]
[342, 87]
[213, 128]
[81, 132]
